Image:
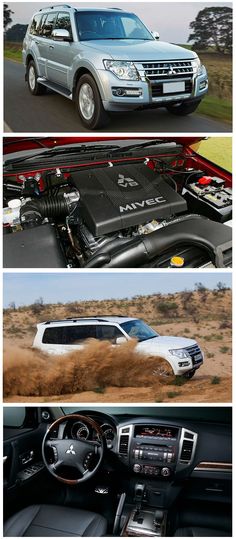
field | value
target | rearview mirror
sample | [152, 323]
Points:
[61, 35]
[156, 35]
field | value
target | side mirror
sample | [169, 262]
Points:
[121, 340]
[61, 35]
[156, 35]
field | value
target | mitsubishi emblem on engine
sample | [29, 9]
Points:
[126, 182]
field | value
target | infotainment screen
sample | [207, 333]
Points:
[156, 431]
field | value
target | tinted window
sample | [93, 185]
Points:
[63, 22]
[53, 335]
[35, 25]
[48, 25]
[14, 417]
[108, 333]
[110, 25]
[77, 334]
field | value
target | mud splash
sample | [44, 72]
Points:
[30, 373]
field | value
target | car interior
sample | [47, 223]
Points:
[117, 471]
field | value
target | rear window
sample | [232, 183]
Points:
[68, 334]
[73, 335]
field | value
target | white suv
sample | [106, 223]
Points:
[63, 336]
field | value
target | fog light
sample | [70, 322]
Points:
[127, 92]
[184, 363]
[202, 85]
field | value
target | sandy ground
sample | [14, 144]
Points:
[102, 374]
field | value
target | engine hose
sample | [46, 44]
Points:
[215, 238]
[33, 212]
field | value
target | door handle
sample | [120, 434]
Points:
[51, 46]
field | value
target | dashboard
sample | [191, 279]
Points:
[153, 447]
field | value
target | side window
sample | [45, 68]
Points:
[108, 333]
[48, 25]
[14, 417]
[53, 335]
[78, 334]
[35, 25]
[63, 22]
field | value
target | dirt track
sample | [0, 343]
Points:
[102, 373]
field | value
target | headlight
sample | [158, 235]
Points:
[181, 353]
[197, 65]
[122, 70]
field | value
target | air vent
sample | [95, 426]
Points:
[124, 444]
[186, 452]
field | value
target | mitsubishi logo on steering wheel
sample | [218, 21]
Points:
[70, 451]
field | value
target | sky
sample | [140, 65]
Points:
[170, 19]
[25, 288]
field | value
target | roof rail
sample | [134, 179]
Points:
[57, 6]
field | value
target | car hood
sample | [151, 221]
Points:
[166, 342]
[138, 50]
[18, 144]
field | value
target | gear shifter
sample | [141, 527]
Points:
[139, 491]
[158, 519]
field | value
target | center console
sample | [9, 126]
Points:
[156, 453]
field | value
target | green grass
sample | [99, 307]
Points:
[215, 380]
[218, 150]
[172, 394]
[224, 349]
[100, 389]
[13, 51]
[220, 109]
[178, 381]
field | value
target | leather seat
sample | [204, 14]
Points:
[195, 531]
[55, 521]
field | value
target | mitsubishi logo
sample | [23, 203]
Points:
[126, 182]
[171, 70]
[70, 451]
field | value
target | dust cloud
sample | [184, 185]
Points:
[28, 372]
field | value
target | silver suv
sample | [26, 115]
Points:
[107, 60]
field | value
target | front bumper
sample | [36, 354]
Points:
[181, 366]
[148, 92]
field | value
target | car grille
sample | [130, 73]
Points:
[167, 70]
[193, 352]
[157, 89]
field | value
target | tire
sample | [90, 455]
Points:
[183, 109]
[89, 104]
[188, 375]
[163, 369]
[34, 87]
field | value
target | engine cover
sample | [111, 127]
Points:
[122, 196]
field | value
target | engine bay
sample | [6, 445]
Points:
[166, 210]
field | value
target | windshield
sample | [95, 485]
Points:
[139, 330]
[93, 25]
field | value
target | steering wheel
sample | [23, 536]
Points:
[73, 453]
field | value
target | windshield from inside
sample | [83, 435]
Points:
[98, 25]
[139, 330]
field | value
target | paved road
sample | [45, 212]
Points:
[52, 113]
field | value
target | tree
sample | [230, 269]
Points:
[213, 28]
[16, 33]
[7, 16]
[221, 287]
